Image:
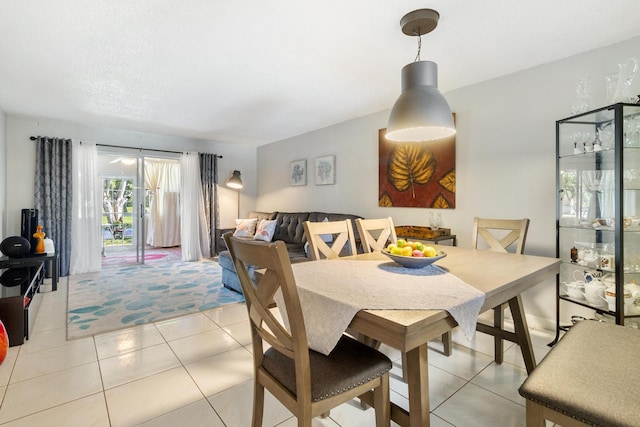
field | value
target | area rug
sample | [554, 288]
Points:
[122, 297]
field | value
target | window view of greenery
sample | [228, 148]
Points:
[117, 211]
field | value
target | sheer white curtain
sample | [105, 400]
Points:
[195, 236]
[162, 178]
[607, 188]
[86, 237]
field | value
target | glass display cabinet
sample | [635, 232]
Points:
[598, 212]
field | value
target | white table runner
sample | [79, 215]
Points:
[332, 292]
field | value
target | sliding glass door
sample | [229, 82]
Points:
[140, 209]
[123, 231]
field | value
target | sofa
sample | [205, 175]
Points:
[290, 230]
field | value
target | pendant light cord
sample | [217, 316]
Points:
[419, 36]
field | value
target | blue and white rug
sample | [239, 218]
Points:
[117, 298]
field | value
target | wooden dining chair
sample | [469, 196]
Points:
[499, 235]
[306, 382]
[328, 239]
[375, 234]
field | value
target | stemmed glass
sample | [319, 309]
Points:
[586, 138]
[583, 103]
[606, 135]
[435, 220]
[575, 138]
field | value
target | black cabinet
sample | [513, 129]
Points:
[19, 300]
[598, 212]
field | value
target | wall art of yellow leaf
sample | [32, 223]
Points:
[440, 202]
[410, 164]
[449, 181]
[385, 201]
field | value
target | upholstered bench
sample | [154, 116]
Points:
[590, 378]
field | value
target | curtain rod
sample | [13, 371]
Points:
[33, 138]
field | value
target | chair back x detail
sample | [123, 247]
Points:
[375, 234]
[328, 239]
[489, 229]
[306, 382]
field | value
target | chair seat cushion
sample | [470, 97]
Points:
[349, 365]
[592, 375]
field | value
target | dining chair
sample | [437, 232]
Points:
[376, 233]
[329, 239]
[499, 235]
[308, 383]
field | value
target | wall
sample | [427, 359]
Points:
[3, 174]
[21, 155]
[505, 158]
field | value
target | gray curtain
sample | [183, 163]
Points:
[53, 194]
[209, 180]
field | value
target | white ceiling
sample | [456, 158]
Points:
[256, 71]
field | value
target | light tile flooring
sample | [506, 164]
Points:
[197, 371]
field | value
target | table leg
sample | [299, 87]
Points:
[522, 332]
[54, 273]
[418, 383]
[447, 343]
[498, 344]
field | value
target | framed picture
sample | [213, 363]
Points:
[420, 175]
[325, 170]
[298, 172]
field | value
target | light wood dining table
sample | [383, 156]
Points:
[501, 277]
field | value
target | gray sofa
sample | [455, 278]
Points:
[290, 230]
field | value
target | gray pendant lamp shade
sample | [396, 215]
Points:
[234, 180]
[421, 113]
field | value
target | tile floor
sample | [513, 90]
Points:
[197, 371]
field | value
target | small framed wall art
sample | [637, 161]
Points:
[298, 173]
[325, 170]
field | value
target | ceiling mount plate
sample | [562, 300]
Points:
[419, 22]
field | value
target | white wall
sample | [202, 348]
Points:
[505, 157]
[21, 158]
[3, 174]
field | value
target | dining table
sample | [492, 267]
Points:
[500, 278]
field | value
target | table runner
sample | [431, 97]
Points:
[332, 292]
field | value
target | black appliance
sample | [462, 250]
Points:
[29, 226]
[15, 247]
[15, 276]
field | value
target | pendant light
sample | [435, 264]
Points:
[421, 113]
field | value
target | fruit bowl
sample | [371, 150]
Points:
[414, 262]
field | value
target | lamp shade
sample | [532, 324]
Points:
[421, 113]
[234, 180]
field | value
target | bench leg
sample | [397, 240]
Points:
[534, 415]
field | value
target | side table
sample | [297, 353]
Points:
[34, 261]
[426, 234]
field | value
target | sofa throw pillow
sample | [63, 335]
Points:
[265, 230]
[245, 227]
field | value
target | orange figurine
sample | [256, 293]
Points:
[39, 234]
